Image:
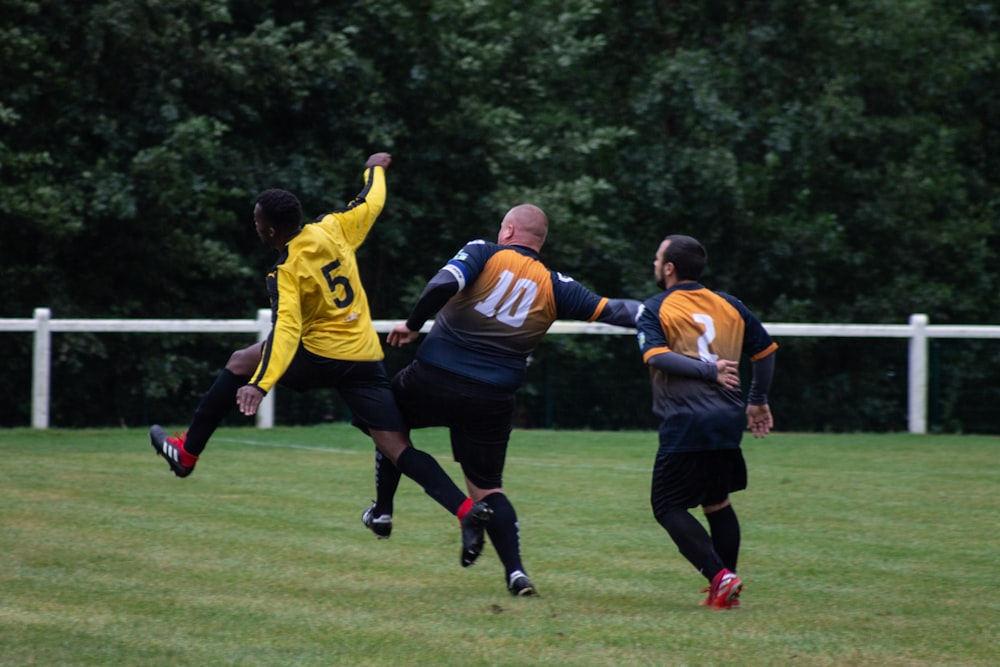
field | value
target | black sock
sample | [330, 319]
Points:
[387, 478]
[504, 533]
[725, 528]
[692, 540]
[423, 469]
[214, 406]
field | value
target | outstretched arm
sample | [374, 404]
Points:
[442, 287]
[620, 312]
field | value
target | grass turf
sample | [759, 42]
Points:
[857, 550]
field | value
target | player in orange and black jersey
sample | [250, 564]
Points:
[322, 337]
[494, 302]
[693, 339]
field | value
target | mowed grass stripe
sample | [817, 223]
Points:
[858, 550]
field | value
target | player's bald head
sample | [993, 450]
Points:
[525, 224]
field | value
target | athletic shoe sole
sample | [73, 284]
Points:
[158, 441]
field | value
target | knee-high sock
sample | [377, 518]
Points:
[387, 478]
[504, 533]
[692, 540]
[214, 406]
[725, 529]
[423, 469]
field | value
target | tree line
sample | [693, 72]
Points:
[840, 161]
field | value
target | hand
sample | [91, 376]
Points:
[728, 373]
[759, 420]
[401, 335]
[379, 160]
[248, 399]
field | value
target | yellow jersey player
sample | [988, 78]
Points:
[322, 337]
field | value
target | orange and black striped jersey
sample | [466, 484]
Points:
[692, 320]
[316, 292]
[505, 302]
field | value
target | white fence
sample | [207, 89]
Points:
[918, 331]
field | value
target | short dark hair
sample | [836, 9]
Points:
[688, 256]
[280, 208]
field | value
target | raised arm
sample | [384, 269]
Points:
[356, 219]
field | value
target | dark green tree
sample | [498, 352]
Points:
[838, 160]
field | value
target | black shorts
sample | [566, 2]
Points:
[477, 415]
[682, 480]
[364, 386]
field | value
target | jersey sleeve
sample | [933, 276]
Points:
[357, 218]
[442, 287]
[757, 343]
[620, 312]
[459, 271]
[760, 385]
[283, 341]
[652, 340]
[574, 301]
[674, 363]
[469, 262]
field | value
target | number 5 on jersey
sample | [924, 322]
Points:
[338, 281]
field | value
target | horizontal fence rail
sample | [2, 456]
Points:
[919, 331]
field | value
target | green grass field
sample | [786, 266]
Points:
[857, 550]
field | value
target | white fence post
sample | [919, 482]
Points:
[265, 411]
[917, 408]
[41, 369]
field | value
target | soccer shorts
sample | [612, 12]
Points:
[364, 386]
[689, 479]
[477, 415]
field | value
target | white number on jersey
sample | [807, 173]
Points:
[706, 338]
[514, 302]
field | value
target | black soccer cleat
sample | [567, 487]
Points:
[172, 449]
[380, 525]
[519, 585]
[474, 532]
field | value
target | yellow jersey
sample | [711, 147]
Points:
[317, 298]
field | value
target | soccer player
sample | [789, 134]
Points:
[692, 339]
[494, 302]
[322, 336]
